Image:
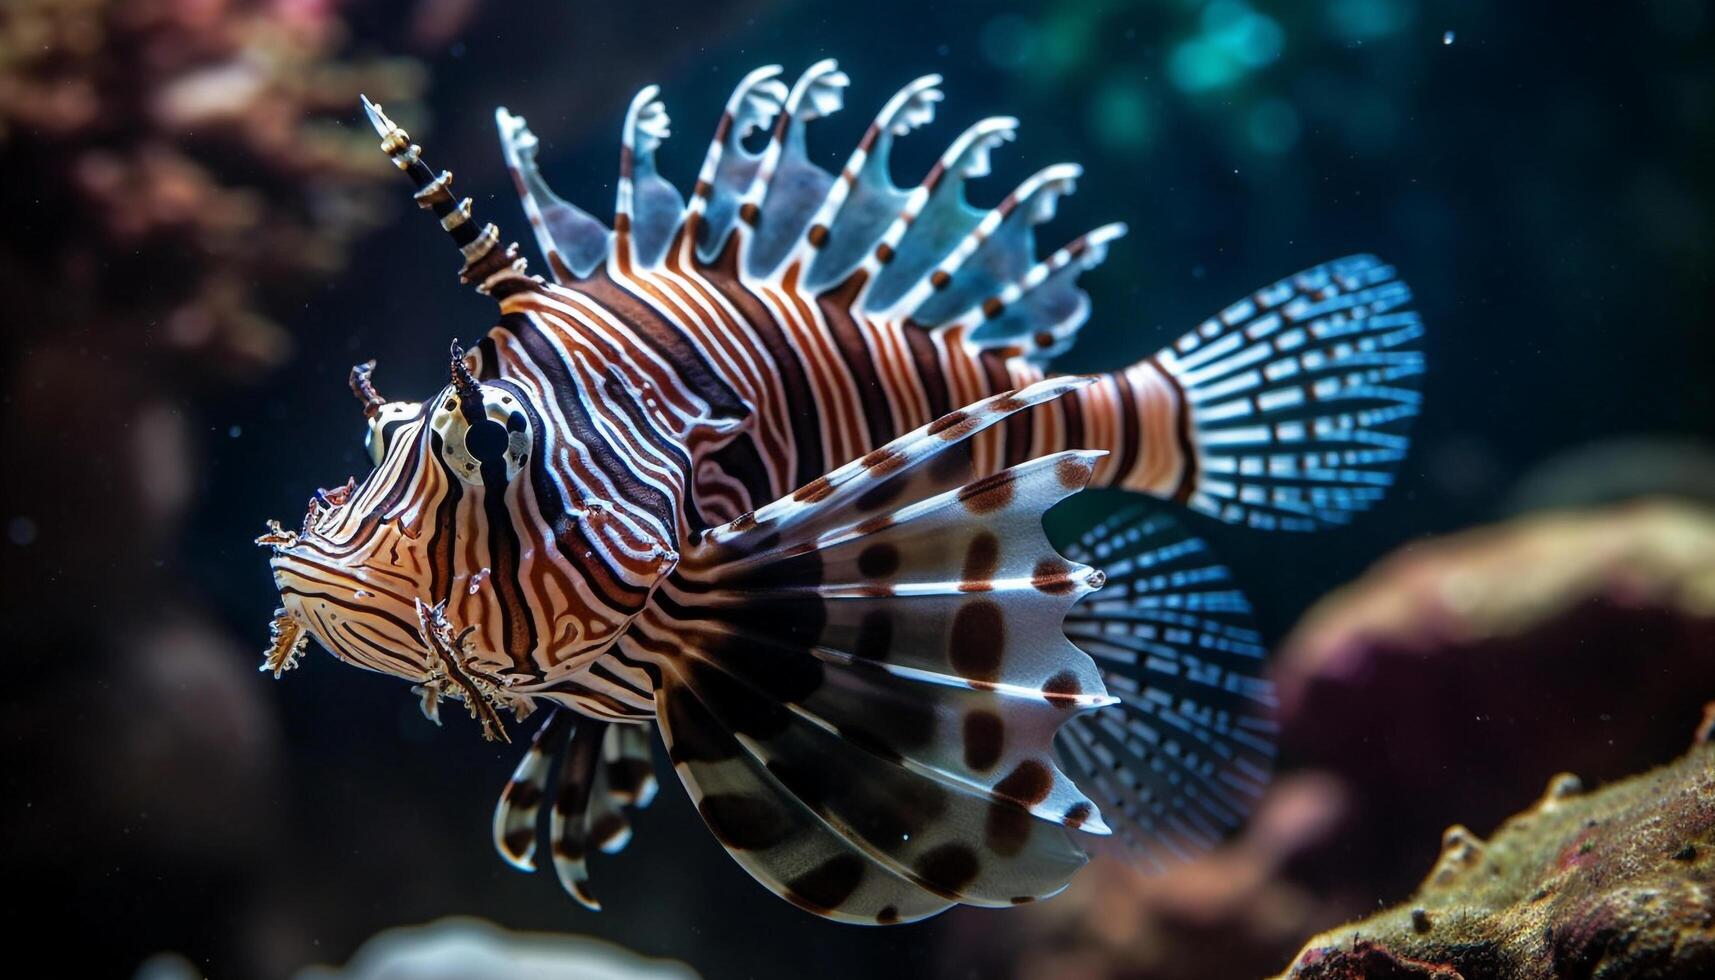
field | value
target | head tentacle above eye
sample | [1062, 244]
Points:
[469, 391]
[363, 386]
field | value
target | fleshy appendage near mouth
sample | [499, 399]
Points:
[443, 664]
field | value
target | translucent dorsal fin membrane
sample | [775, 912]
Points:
[647, 207]
[787, 188]
[999, 250]
[865, 200]
[728, 168]
[1037, 315]
[573, 242]
[935, 217]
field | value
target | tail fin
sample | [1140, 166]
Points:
[1299, 396]
[1184, 755]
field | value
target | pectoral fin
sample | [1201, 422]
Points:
[860, 685]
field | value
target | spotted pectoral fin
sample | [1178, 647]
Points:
[863, 700]
[597, 769]
[1186, 752]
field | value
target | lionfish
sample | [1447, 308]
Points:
[768, 468]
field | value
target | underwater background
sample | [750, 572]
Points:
[201, 239]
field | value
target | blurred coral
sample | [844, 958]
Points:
[172, 177]
[1614, 883]
[1470, 668]
[165, 157]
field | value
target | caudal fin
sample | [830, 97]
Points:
[1299, 396]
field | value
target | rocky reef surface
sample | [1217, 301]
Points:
[1619, 882]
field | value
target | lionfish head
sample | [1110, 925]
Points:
[421, 569]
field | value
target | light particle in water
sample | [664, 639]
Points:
[1447, 37]
[235, 432]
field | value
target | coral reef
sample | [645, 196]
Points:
[1614, 883]
[166, 157]
[1468, 669]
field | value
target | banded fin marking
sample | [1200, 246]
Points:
[647, 207]
[865, 200]
[1037, 316]
[787, 187]
[728, 168]
[1301, 396]
[599, 768]
[1185, 754]
[515, 816]
[863, 699]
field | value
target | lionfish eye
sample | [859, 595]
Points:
[487, 441]
[499, 438]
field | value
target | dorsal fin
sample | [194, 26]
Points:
[864, 200]
[997, 251]
[647, 208]
[728, 167]
[573, 241]
[1037, 315]
[925, 256]
[936, 216]
[787, 188]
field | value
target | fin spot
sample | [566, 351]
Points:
[1074, 473]
[1051, 575]
[985, 739]
[523, 796]
[887, 916]
[979, 636]
[883, 461]
[989, 494]
[956, 422]
[982, 560]
[879, 561]
[806, 783]
[1028, 783]
[1076, 814]
[1062, 689]
[875, 635]
[815, 490]
[1007, 829]
[744, 823]
[695, 737]
[518, 842]
[823, 888]
[948, 868]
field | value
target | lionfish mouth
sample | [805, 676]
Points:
[439, 660]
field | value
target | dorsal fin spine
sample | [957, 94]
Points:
[789, 120]
[871, 151]
[979, 136]
[1057, 179]
[1087, 249]
[727, 135]
[646, 124]
[519, 145]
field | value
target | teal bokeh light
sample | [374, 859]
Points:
[1364, 20]
[1234, 40]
